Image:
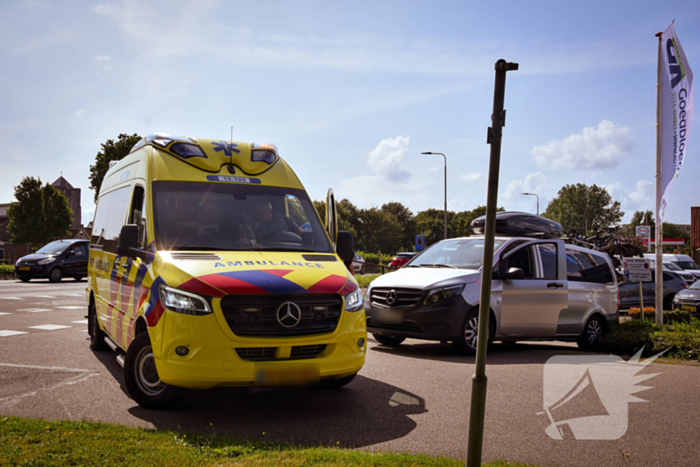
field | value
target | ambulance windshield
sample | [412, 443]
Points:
[232, 216]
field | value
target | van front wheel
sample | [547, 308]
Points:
[467, 342]
[142, 380]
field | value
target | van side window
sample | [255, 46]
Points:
[523, 259]
[573, 268]
[548, 255]
[80, 250]
[606, 275]
[109, 219]
[137, 215]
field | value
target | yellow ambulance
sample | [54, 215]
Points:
[209, 266]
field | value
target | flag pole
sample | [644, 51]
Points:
[659, 305]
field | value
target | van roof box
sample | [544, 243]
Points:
[520, 224]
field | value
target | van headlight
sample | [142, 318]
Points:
[676, 299]
[183, 302]
[353, 300]
[443, 293]
[46, 261]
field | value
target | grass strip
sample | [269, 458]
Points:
[68, 443]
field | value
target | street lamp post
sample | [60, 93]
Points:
[538, 200]
[441, 154]
[585, 217]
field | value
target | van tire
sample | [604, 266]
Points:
[56, 275]
[77, 278]
[466, 344]
[668, 302]
[592, 334]
[97, 335]
[388, 340]
[141, 377]
[24, 278]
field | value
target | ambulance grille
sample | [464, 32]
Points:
[256, 353]
[307, 351]
[319, 258]
[195, 256]
[253, 315]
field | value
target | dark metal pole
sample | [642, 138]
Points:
[478, 402]
[445, 194]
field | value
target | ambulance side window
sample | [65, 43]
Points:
[109, 219]
[137, 215]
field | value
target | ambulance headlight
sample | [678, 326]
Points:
[183, 302]
[353, 300]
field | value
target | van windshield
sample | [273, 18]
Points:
[463, 253]
[238, 217]
[687, 265]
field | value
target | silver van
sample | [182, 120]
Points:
[542, 290]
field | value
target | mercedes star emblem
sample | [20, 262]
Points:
[391, 297]
[288, 314]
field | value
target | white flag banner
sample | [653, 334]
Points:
[676, 94]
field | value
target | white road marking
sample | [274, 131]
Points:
[11, 333]
[5, 313]
[71, 307]
[52, 368]
[34, 310]
[74, 380]
[44, 296]
[49, 327]
[11, 298]
[82, 321]
[73, 295]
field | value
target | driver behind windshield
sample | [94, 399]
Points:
[266, 221]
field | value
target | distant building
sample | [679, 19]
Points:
[73, 196]
[11, 253]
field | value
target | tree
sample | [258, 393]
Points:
[381, 231]
[111, 151]
[406, 220]
[580, 204]
[40, 215]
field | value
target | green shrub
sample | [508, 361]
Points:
[364, 281]
[375, 258]
[680, 337]
[7, 271]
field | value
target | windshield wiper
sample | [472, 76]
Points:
[259, 247]
[440, 265]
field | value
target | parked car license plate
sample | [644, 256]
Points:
[387, 316]
[25, 268]
[690, 307]
[294, 375]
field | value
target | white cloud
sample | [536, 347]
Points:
[644, 192]
[79, 112]
[593, 148]
[473, 177]
[532, 184]
[103, 58]
[387, 158]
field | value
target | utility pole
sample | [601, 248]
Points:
[479, 380]
[441, 154]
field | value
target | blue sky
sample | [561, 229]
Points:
[352, 92]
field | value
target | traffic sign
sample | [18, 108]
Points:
[636, 269]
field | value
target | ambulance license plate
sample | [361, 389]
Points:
[25, 268]
[293, 375]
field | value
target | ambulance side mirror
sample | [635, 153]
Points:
[128, 240]
[345, 246]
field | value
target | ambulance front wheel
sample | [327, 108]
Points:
[142, 380]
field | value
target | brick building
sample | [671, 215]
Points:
[11, 253]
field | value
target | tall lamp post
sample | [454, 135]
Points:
[441, 154]
[585, 217]
[538, 200]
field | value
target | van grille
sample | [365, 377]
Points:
[408, 326]
[307, 351]
[405, 298]
[194, 256]
[256, 315]
[319, 258]
[256, 353]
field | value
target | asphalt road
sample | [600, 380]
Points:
[412, 398]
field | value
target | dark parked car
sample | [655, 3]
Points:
[689, 299]
[55, 260]
[629, 291]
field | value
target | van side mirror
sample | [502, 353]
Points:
[345, 246]
[514, 273]
[128, 240]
